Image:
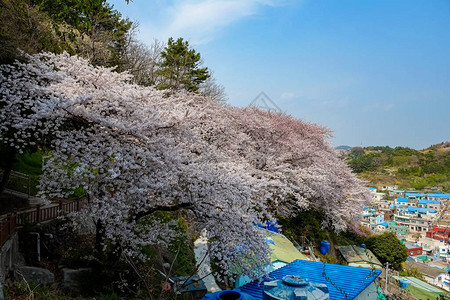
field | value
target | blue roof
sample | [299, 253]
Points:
[414, 195]
[336, 276]
[385, 224]
[439, 195]
[372, 188]
[429, 202]
[402, 200]
[421, 209]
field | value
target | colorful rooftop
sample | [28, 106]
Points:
[414, 195]
[439, 195]
[402, 200]
[334, 276]
[411, 245]
[282, 248]
[429, 202]
[421, 210]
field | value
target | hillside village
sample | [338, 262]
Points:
[421, 221]
[127, 172]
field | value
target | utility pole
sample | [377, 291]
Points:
[387, 279]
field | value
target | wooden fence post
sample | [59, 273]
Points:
[78, 204]
[14, 220]
[60, 208]
[38, 213]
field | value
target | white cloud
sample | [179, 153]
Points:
[199, 21]
[287, 95]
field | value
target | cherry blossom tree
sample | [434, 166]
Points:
[134, 150]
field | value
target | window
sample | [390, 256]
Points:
[411, 253]
[418, 252]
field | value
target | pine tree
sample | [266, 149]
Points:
[180, 67]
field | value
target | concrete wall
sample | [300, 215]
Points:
[9, 256]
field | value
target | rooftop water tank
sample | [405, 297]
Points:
[235, 294]
[292, 287]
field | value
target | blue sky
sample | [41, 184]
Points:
[375, 72]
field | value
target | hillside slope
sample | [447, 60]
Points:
[427, 169]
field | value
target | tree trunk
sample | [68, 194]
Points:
[99, 237]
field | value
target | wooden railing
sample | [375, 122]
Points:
[7, 228]
[11, 222]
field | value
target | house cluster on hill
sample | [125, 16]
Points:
[422, 222]
[407, 213]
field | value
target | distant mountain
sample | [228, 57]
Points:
[343, 147]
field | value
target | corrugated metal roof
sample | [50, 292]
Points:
[439, 195]
[421, 209]
[351, 280]
[402, 200]
[412, 194]
[420, 284]
[429, 202]
[356, 254]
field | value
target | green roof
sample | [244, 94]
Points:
[420, 284]
[283, 250]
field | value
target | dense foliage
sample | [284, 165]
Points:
[135, 150]
[387, 248]
[89, 28]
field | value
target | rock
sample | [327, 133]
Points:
[76, 279]
[37, 275]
